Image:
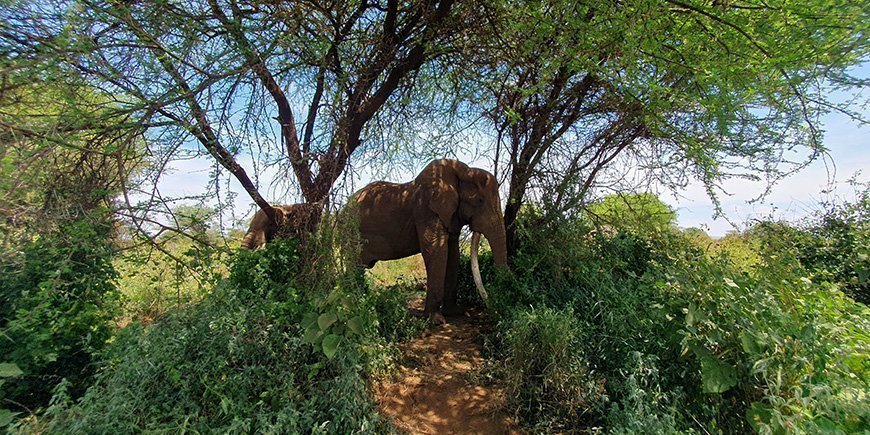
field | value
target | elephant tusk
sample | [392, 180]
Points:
[475, 268]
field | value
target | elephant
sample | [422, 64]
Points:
[425, 216]
[294, 219]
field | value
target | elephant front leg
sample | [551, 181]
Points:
[434, 247]
[450, 307]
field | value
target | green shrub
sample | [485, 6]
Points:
[151, 282]
[546, 378]
[790, 354]
[394, 322]
[59, 302]
[644, 404]
[690, 342]
[833, 245]
[241, 361]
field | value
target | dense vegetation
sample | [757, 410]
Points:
[124, 306]
[640, 331]
[245, 358]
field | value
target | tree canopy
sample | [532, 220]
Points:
[569, 97]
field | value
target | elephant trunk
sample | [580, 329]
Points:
[498, 243]
[495, 234]
[247, 241]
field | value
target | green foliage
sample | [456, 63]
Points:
[390, 303]
[687, 340]
[151, 282]
[738, 249]
[242, 359]
[58, 304]
[637, 212]
[790, 351]
[544, 372]
[645, 405]
[236, 362]
[8, 370]
[834, 245]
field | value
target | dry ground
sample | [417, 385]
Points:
[435, 392]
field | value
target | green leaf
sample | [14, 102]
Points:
[718, 376]
[750, 346]
[332, 297]
[8, 370]
[308, 319]
[694, 315]
[356, 325]
[330, 345]
[312, 334]
[757, 415]
[6, 417]
[326, 320]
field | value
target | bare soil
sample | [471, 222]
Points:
[435, 391]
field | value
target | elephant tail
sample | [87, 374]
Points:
[475, 268]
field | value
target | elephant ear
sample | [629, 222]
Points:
[440, 183]
[444, 201]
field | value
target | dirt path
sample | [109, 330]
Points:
[435, 393]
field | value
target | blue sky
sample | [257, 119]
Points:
[792, 199]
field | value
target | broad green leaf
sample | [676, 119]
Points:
[694, 315]
[312, 334]
[330, 345]
[309, 319]
[326, 320]
[750, 346]
[718, 376]
[8, 370]
[6, 417]
[758, 414]
[356, 325]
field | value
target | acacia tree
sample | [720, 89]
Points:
[676, 89]
[228, 74]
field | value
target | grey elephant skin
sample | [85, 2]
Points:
[295, 220]
[425, 216]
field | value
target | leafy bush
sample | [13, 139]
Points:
[151, 282]
[247, 358]
[59, 302]
[687, 341]
[645, 405]
[394, 322]
[791, 353]
[236, 362]
[834, 245]
[8, 370]
[543, 368]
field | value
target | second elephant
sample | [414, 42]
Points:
[425, 216]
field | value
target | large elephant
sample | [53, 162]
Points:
[425, 216]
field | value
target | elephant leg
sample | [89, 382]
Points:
[433, 246]
[450, 307]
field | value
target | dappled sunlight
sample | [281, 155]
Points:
[436, 393]
[409, 269]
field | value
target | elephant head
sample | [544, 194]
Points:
[294, 220]
[461, 195]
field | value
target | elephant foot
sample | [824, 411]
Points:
[453, 310]
[437, 318]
